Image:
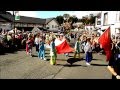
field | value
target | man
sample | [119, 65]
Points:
[114, 64]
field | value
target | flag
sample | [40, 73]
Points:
[105, 41]
[62, 46]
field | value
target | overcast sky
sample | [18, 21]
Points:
[49, 14]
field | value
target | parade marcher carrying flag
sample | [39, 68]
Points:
[105, 42]
[62, 46]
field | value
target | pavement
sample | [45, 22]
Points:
[18, 65]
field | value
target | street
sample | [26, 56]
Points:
[18, 65]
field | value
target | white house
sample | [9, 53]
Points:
[52, 24]
[109, 18]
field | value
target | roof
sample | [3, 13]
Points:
[31, 20]
[7, 17]
[50, 19]
[24, 19]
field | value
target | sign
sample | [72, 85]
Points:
[17, 16]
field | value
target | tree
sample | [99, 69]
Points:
[92, 19]
[66, 16]
[73, 19]
[60, 19]
[88, 20]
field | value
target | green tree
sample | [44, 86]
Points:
[92, 19]
[66, 16]
[73, 19]
[60, 19]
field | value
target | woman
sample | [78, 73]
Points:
[37, 40]
[53, 53]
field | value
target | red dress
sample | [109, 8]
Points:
[29, 44]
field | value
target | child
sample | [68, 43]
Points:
[53, 52]
[41, 53]
[77, 48]
[88, 52]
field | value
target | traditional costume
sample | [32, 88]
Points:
[53, 53]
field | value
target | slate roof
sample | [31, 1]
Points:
[23, 19]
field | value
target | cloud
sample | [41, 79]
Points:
[27, 13]
[41, 14]
[80, 14]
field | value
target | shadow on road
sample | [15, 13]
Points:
[69, 65]
[34, 56]
[99, 65]
[95, 59]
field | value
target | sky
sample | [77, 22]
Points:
[50, 14]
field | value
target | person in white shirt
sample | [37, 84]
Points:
[37, 40]
[88, 52]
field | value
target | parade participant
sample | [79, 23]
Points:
[114, 63]
[29, 45]
[41, 53]
[83, 42]
[61, 38]
[47, 39]
[37, 40]
[53, 53]
[77, 48]
[88, 52]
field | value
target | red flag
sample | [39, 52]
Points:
[63, 47]
[105, 41]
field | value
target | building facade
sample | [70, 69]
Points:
[52, 24]
[109, 19]
[7, 21]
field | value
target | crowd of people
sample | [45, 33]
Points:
[12, 41]
[84, 43]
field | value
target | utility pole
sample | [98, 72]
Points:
[14, 23]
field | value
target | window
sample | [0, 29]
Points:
[56, 26]
[52, 26]
[98, 22]
[105, 19]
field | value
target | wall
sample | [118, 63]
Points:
[5, 25]
[112, 20]
[52, 25]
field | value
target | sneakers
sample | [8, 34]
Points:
[44, 59]
[41, 58]
[87, 63]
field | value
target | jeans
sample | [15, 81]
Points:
[88, 57]
[41, 54]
